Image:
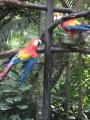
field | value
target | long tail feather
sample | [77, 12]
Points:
[12, 62]
[27, 69]
[85, 25]
[5, 71]
[88, 31]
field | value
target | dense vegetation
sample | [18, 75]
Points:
[70, 93]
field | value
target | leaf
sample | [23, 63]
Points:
[10, 90]
[23, 107]
[29, 119]
[8, 82]
[9, 100]
[17, 99]
[25, 88]
[4, 106]
[15, 117]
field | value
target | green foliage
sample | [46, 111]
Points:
[15, 117]
[18, 39]
[14, 99]
[58, 91]
[20, 103]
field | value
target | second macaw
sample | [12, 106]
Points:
[28, 56]
[73, 26]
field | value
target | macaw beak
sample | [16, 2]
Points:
[36, 42]
[39, 41]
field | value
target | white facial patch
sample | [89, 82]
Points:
[36, 42]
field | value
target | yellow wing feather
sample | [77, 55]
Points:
[74, 23]
[23, 56]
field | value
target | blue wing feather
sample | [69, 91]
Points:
[78, 28]
[15, 60]
[28, 65]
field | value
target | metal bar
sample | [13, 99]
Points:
[43, 7]
[68, 49]
[54, 25]
[64, 10]
[48, 63]
[53, 50]
[35, 6]
[20, 4]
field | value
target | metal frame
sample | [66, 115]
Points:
[49, 8]
[48, 62]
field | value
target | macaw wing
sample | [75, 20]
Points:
[78, 28]
[27, 67]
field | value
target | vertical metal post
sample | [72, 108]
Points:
[48, 62]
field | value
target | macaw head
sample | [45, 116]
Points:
[36, 42]
[57, 16]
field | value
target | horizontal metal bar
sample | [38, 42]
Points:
[53, 49]
[35, 6]
[67, 50]
[20, 4]
[70, 49]
[43, 7]
[64, 10]
[82, 14]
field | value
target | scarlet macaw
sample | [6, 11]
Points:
[73, 26]
[27, 56]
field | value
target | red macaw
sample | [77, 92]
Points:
[27, 56]
[73, 26]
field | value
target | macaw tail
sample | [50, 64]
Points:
[12, 62]
[28, 65]
[88, 31]
[86, 25]
[5, 71]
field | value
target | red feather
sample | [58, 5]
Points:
[5, 71]
[65, 24]
[31, 49]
